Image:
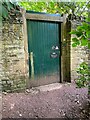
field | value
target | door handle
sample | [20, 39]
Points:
[53, 55]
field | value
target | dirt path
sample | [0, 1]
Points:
[64, 102]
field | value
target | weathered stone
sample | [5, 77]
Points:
[12, 55]
[78, 55]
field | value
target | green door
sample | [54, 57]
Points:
[44, 51]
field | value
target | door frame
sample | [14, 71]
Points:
[45, 17]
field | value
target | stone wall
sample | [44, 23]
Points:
[12, 57]
[12, 63]
[78, 55]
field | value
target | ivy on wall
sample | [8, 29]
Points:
[10, 11]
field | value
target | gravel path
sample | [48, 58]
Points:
[64, 102]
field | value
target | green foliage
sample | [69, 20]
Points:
[81, 35]
[50, 7]
[83, 72]
[6, 7]
[82, 39]
[74, 8]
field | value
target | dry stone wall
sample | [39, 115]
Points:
[12, 72]
[78, 55]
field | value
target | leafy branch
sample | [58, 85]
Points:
[81, 35]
